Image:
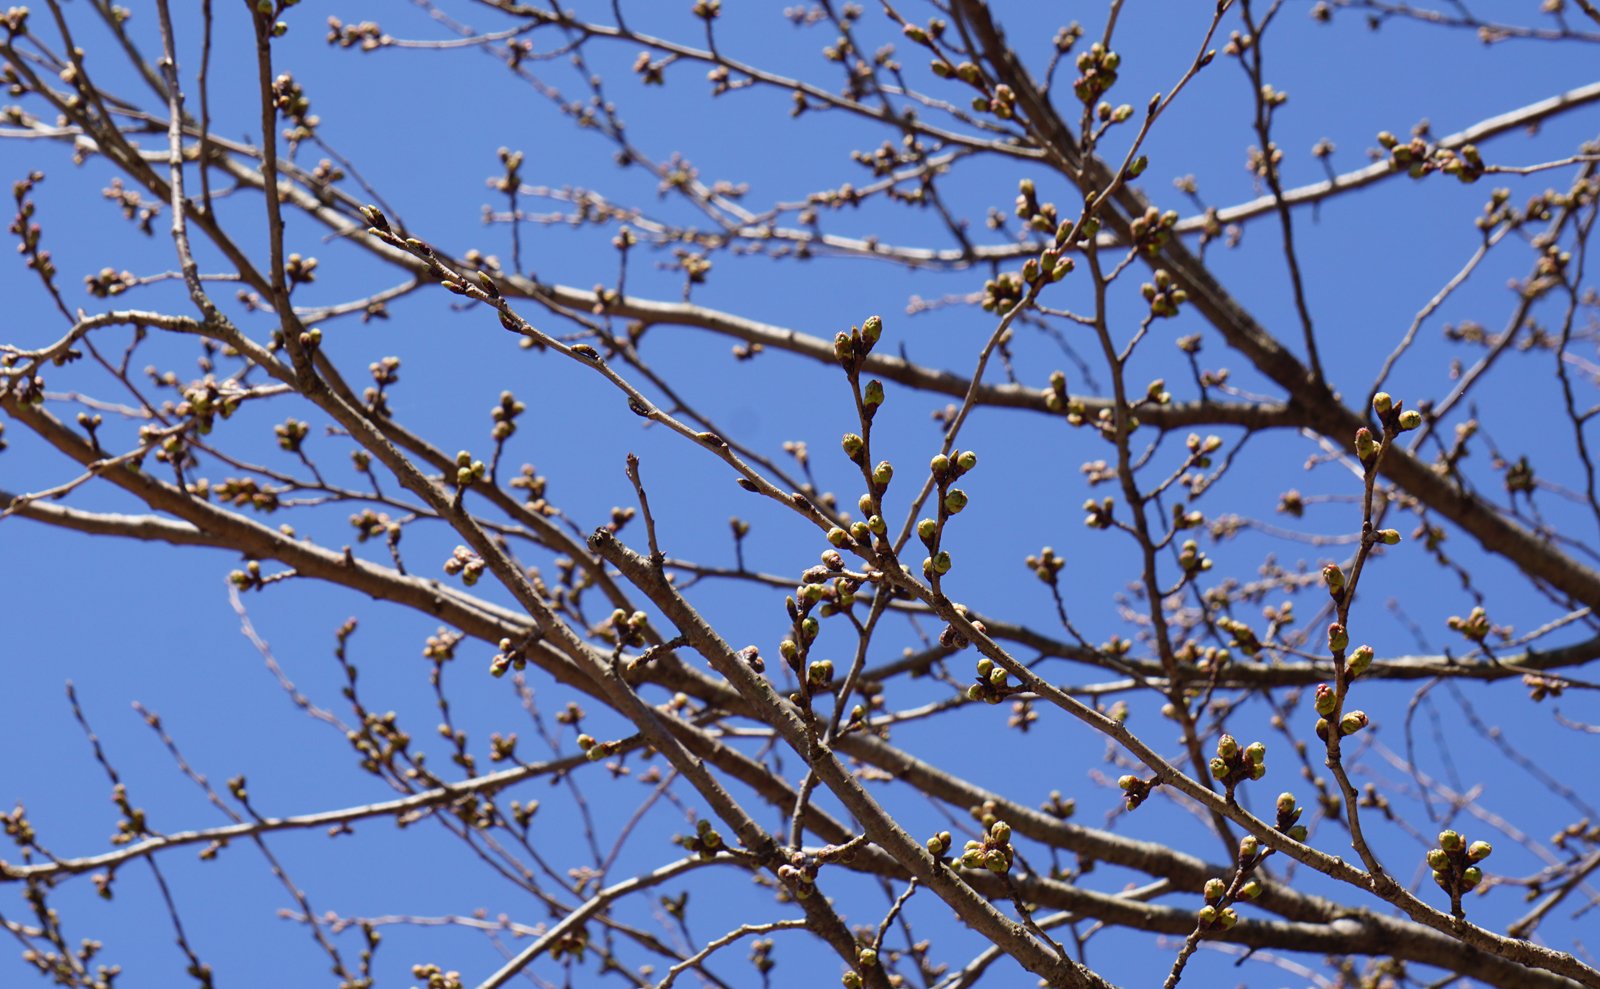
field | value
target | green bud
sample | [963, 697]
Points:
[1248, 847]
[941, 563]
[1250, 890]
[852, 445]
[1478, 851]
[1001, 832]
[1382, 403]
[1366, 446]
[927, 529]
[1410, 419]
[1286, 803]
[995, 861]
[1334, 577]
[872, 395]
[1128, 782]
[1438, 859]
[997, 676]
[1228, 748]
[1219, 768]
[985, 667]
[843, 349]
[1226, 918]
[1299, 833]
[871, 330]
[877, 525]
[1359, 661]
[940, 464]
[1440, 878]
[1389, 537]
[837, 536]
[1256, 753]
[1138, 165]
[1208, 915]
[1471, 877]
[1338, 638]
[820, 672]
[967, 461]
[1326, 700]
[882, 474]
[955, 501]
[1352, 722]
[809, 627]
[1215, 888]
[868, 957]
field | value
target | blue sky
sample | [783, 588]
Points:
[152, 623]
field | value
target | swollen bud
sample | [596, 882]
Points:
[1410, 419]
[926, 529]
[1352, 722]
[1389, 537]
[838, 536]
[1338, 638]
[967, 461]
[1359, 661]
[871, 330]
[1451, 841]
[1382, 403]
[1479, 850]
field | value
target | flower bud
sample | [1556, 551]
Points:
[1248, 847]
[843, 349]
[1208, 915]
[1226, 918]
[1338, 638]
[1359, 661]
[927, 529]
[941, 563]
[838, 536]
[1219, 768]
[1410, 419]
[1440, 878]
[939, 465]
[882, 474]
[1334, 578]
[871, 330]
[1438, 858]
[859, 532]
[1352, 722]
[1326, 700]
[1366, 446]
[995, 861]
[955, 501]
[1228, 748]
[1382, 403]
[1286, 804]
[1471, 877]
[1250, 890]
[1478, 851]
[877, 525]
[872, 395]
[1256, 753]
[1128, 782]
[852, 445]
[967, 461]
[820, 673]
[1389, 537]
[1298, 833]
[1215, 889]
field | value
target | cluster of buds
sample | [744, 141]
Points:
[291, 434]
[1289, 818]
[1046, 566]
[1244, 637]
[953, 638]
[505, 415]
[466, 563]
[851, 349]
[1232, 765]
[1041, 217]
[1396, 419]
[1136, 791]
[624, 629]
[1163, 297]
[468, 470]
[300, 270]
[799, 873]
[436, 978]
[292, 103]
[1475, 626]
[242, 491]
[109, 282]
[994, 852]
[1327, 701]
[1191, 560]
[510, 655]
[993, 684]
[595, 751]
[1541, 687]
[1002, 292]
[1153, 230]
[1455, 864]
[203, 402]
[1099, 516]
[1099, 68]
[1215, 915]
[370, 525]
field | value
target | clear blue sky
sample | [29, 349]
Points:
[152, 623]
